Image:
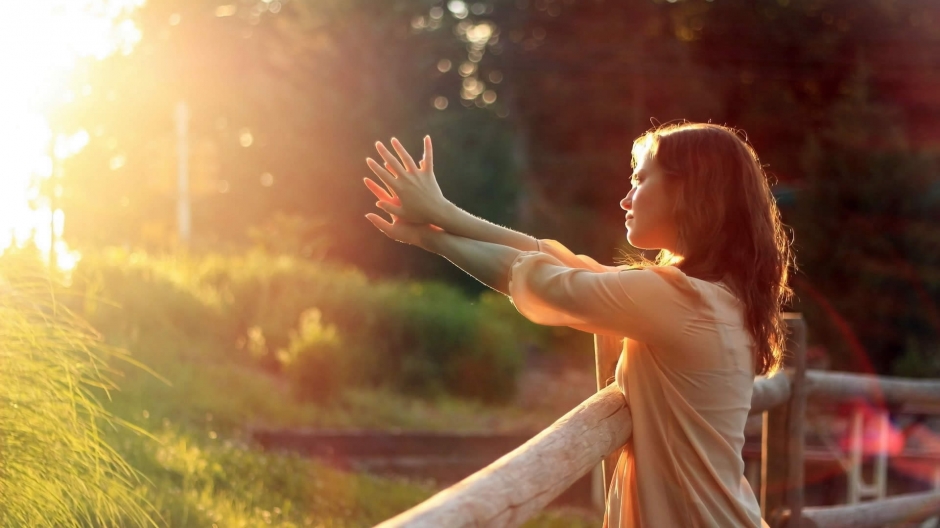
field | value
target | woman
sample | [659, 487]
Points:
[698, 324]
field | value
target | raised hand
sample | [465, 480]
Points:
[413, 194]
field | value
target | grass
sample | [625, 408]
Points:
[56, 468]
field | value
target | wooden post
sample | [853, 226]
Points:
[783, 437]
[607, 351]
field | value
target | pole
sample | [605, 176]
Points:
[782, 458]
[184, 208]
[607, 351]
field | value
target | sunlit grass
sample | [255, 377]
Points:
[56, 469]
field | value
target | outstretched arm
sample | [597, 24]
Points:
[486, 262]
[639, 304]
[415, 197]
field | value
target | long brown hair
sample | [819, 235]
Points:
[729, 225]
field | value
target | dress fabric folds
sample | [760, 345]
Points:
[686, 372]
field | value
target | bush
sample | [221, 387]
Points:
[420, 338]
[315, 362]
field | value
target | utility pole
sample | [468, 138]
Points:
[57, 153]
[56, 182]
[184, 208]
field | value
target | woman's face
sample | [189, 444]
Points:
[649, 206]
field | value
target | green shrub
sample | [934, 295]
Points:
[315, 361]
[420, 338]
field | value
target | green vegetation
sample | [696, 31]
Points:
[212, 482]
[324, 327]
[56, 469]
[230, 344]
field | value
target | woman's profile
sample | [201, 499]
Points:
[698, 323]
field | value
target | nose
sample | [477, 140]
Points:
[627, 203]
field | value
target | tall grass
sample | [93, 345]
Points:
[56, 469]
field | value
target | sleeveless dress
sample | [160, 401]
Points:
[686, 372]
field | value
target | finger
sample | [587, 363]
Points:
[390, 159]
[387, 178]
[392, 191]
[391, 209]
[380, 192]
[405, 157]
[428, 160]
[379, 222]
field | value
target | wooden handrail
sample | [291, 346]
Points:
[770, 392]
[844, 386]
[521, 483]
[910, 507]
[835, 387]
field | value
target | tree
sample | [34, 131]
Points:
[285, 107]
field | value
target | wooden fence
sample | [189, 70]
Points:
[521, 483]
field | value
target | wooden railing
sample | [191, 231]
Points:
[521, 483]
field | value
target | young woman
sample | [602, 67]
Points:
[698, 324]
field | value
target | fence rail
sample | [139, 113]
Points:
[521, 483]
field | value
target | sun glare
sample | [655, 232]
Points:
[41, 43]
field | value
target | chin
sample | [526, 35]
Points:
[633, 241]
[639, 243]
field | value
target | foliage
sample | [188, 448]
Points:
[867, 237]
[207, 481]
[203, 480]
[66, 465]
[314, 359]
[285, 105]
[422, 338]
[57, 469]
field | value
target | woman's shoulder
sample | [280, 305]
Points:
[674, 279]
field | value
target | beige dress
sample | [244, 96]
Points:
[686, 372]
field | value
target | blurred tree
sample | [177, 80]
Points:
[868, 237]
[286, 100]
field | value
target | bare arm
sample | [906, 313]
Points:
[486, 262]
[458, 222]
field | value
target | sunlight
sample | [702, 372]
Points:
[57, 34]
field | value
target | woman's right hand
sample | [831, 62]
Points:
[413, 194]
